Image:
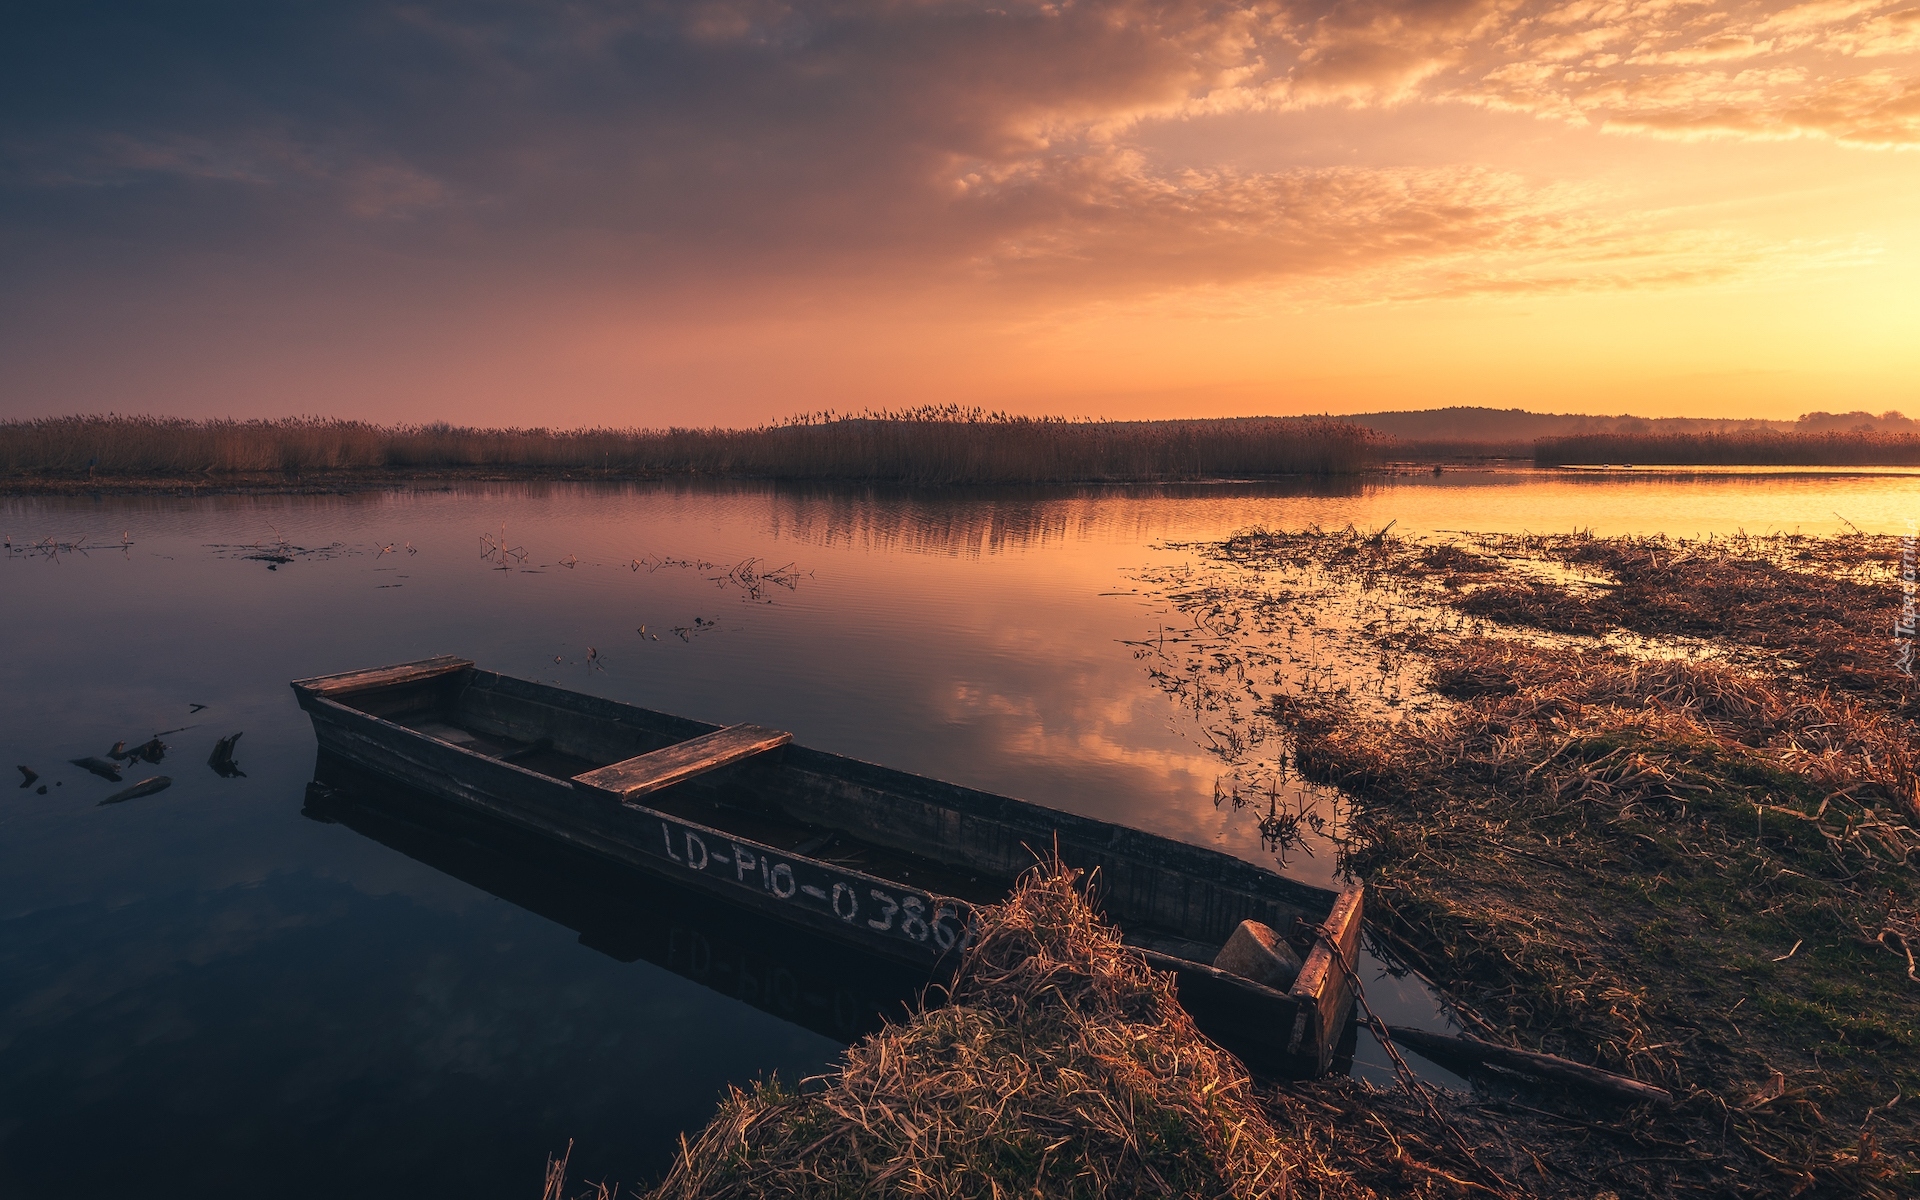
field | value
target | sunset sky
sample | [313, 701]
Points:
[696, 213]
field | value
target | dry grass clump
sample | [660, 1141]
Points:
[1390, 1142]
[1648, 866]
[1063, 1067]
[1837, 743]
[1823, 607]
[924, 446]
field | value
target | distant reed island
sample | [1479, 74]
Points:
[921, 446]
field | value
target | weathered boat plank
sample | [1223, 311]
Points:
[348, 682]
[665, 767]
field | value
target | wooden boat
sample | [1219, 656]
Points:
[890, 862]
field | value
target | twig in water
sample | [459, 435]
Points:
[1904, 949]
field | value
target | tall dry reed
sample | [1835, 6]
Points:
[926, 446]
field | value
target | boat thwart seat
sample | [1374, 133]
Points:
[682, 761]
[348, 683]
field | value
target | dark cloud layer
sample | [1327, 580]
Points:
[701, 137]
[829, 128]
[771, 124]
[723, 144]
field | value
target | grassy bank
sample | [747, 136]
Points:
[1653, 809]
[1852, 448]
[919, 447]
[1063, 1066]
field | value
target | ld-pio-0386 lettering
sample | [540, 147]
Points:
[876, 907]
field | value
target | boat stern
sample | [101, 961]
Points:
[1324, 989]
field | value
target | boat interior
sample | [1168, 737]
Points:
[562, 743]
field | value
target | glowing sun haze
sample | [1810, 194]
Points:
[727, 211]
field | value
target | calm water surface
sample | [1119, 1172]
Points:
[232, 984]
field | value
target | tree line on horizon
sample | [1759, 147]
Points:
[1762, 448]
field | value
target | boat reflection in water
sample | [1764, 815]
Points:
[817, 984]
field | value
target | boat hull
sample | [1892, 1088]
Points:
[876, 914]
[1176, 902]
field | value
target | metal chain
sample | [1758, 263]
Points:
[1401, 1070]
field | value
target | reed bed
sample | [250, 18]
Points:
[1062, 1067]
[921, 446]
[1837, 448]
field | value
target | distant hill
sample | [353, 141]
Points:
[1468, 424]
[1856, 422]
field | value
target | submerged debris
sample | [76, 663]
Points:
[221, 759]
[152, 750]
[99, 766]
[751, 576]
[146, 787]
[1465, 1048]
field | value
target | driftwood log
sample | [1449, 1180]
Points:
[1464, 1047]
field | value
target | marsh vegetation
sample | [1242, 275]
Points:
[1648, 804]
[926, 446]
